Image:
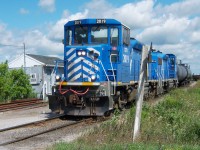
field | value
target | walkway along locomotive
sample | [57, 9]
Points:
[101, 69]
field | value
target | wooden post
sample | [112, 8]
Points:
[140, 94]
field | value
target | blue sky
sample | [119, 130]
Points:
[23, 14]
[172, 25]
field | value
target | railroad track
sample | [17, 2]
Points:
[18, 139]
[29, 124]
[20, 104]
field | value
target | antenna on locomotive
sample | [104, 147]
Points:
[151, 47]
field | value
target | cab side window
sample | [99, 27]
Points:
[114, 36]
[69, 37]
[172, 61]
[126, 35]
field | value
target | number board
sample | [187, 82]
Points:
[77, 22]
[101, 21]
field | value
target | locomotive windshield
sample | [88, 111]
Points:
[96, 34]
[81, 35]
[99, 34]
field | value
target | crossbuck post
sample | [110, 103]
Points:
[140, 94]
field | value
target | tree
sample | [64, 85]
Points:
[14, 84]
[3, 75]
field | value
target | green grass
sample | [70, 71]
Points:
[137, 146]
[172, 124]
[176, 119]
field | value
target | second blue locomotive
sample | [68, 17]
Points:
[102, 66]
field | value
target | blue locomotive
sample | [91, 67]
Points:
[102, 66]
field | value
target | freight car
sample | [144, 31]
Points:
[101, 69]
[184, 74]
[195, 77]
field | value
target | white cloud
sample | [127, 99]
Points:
[9, 46]
[186, 52]
[181, 8]
[99, 8]
[23, 11]
[56, 31]
[39, 43]
[135, 15]
[194, 33]
[7, 36]
[172, 28]
[47, 5]
[170, 31]
[195, 37]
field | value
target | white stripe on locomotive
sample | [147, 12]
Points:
[84, 61]
[72, 57]
[70, 51]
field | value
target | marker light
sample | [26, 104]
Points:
[57, 77]
[93, 77]
[79, 53]
[83, 53]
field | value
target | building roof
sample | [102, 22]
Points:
[30, 60]
[47, 60]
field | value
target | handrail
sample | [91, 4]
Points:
[104, 70]
[113, 74]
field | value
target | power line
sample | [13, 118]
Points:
[11, 45]
[23, 47]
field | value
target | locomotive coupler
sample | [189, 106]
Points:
[94, 99]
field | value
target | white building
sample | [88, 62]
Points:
[41, 71]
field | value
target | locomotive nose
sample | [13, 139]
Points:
[82, 64]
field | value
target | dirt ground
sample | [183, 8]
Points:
[17, 117]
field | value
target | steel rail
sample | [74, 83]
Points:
[30, 123]
[20, 105]
[23, 106]
[21, 101]
[40, 133]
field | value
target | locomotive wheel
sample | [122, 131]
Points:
[119, 104]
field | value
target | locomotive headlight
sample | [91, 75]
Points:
[83, 53]
[79, 53]
[57, 77]
[93, 77]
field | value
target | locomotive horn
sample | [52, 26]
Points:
[151, 47]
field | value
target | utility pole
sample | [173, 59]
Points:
[140, 94]
[24, 57]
